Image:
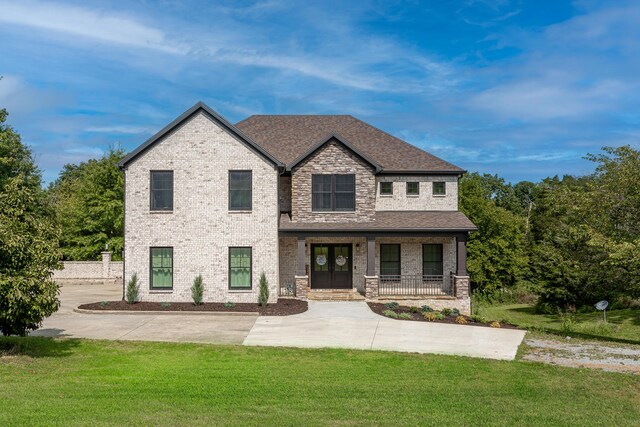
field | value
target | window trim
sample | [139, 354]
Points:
[386, 194]
[231, 288]
[417, 193]
[333, 192]
[399, 258]
[151, 208]
[160, 288]
[242, 209]
[433, 188]
[441, 258]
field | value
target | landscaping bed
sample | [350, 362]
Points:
[426, 314]
[284, 307]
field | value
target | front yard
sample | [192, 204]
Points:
[68, 382]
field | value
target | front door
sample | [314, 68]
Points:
[331, 266]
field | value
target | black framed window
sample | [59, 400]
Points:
[240, 268]
[161, 190]
[240, 183]
[386, 188]
[390, 260]
[333, 192]
[439, 188]
[413, 188]
[161, 266]
[432, 260]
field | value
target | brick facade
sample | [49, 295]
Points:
[411, 253]
[424, 201]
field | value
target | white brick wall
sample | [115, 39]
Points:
[411, 253]
[425, 201]
[201, 229]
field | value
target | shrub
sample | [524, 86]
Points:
[446, 311]
[414, 309]
[461, 320]
[390, 313]
[165, 304]
[229, 304]
[433, 315]
[495, 324]
[104, 304]
[263, 297]
[405, 316]
[426, 309]
[455, 312]
[197, 290]
[133, 288]
[392, 305]
[439, 316]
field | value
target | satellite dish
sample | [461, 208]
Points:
[602, 305]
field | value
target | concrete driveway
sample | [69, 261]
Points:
[203, 328]
[354, 325]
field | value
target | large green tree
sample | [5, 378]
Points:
[28, 240]
[89, 205]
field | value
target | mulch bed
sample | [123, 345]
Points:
[284, 307]
[379, 308]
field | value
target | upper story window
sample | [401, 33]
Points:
[161, 190]
[333, 192]
[386, 188]
[240, 190]
[439, 188]
[413, 188]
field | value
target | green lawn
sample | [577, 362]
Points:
[67, 382]
[622, 325]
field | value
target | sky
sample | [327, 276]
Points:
[522, 89]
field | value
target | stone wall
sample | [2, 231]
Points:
[464, 305]
[424, 201]
[333, 158]
[90, 272]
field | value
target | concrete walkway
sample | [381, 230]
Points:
[354, 325]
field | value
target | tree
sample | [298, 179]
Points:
[89, 206]
[28, 240]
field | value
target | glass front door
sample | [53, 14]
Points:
[331, 266]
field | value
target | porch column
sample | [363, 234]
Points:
[302, 280]
[462, 255]
[300, 269]
[371, 256]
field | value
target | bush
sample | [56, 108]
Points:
[197, 290]
[165, 304]
[446, 311]
[392, 305]
[133, 288]
[229, 304]
[104, 304]
[433, 315]
[390, 313]
[426, 309]
[495, 324]
[263, 297]
[405, 316]
[461, 320]
[455, 312]
[414, 309]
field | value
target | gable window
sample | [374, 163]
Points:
[386, 188]
[161, 261]
[439, 188]
[390, 260]
[240, 190]
[239, 268]
[413, 188]
[432, 260]
[333, 192]
[161, 190]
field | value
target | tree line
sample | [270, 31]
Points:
[571, 241]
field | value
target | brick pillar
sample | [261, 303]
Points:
[302, 287]
[371, 287]
[461, 286]
[106, 264]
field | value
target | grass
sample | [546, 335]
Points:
[622, 325]
[81, 382]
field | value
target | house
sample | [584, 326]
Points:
[321, 204]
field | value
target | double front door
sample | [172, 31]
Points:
[331, 266]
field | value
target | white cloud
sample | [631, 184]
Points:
[118, 129]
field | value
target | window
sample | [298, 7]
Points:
[413, 188]
[161, 190]
[161, 268]
[432, 260]
[333, 192]
[240, 190]
[439, 188]
[390, 260]
[239, 268]
[386, 188]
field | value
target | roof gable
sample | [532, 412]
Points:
[186, 116]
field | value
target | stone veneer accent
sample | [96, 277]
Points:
[461, 284]
[302, 287]
[464, 305]
[425, 201]
[201, 228]
[333, 158]
[371, 284]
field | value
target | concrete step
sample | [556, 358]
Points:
[337, 295]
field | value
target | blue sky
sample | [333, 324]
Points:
[523, 89]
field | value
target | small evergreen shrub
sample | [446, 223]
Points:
[133, 288]
[197, 290]
[426, 309]
[461, 320]
[439, 316]
[229, 304]
[405, 316]
[390, 313]
[430, 316]
[455, 312]
[414, 309]
[446, 311]
[392, 305]
[263, 297]
[165, 304]
[104, 304]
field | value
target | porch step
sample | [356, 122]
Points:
[337, 295]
